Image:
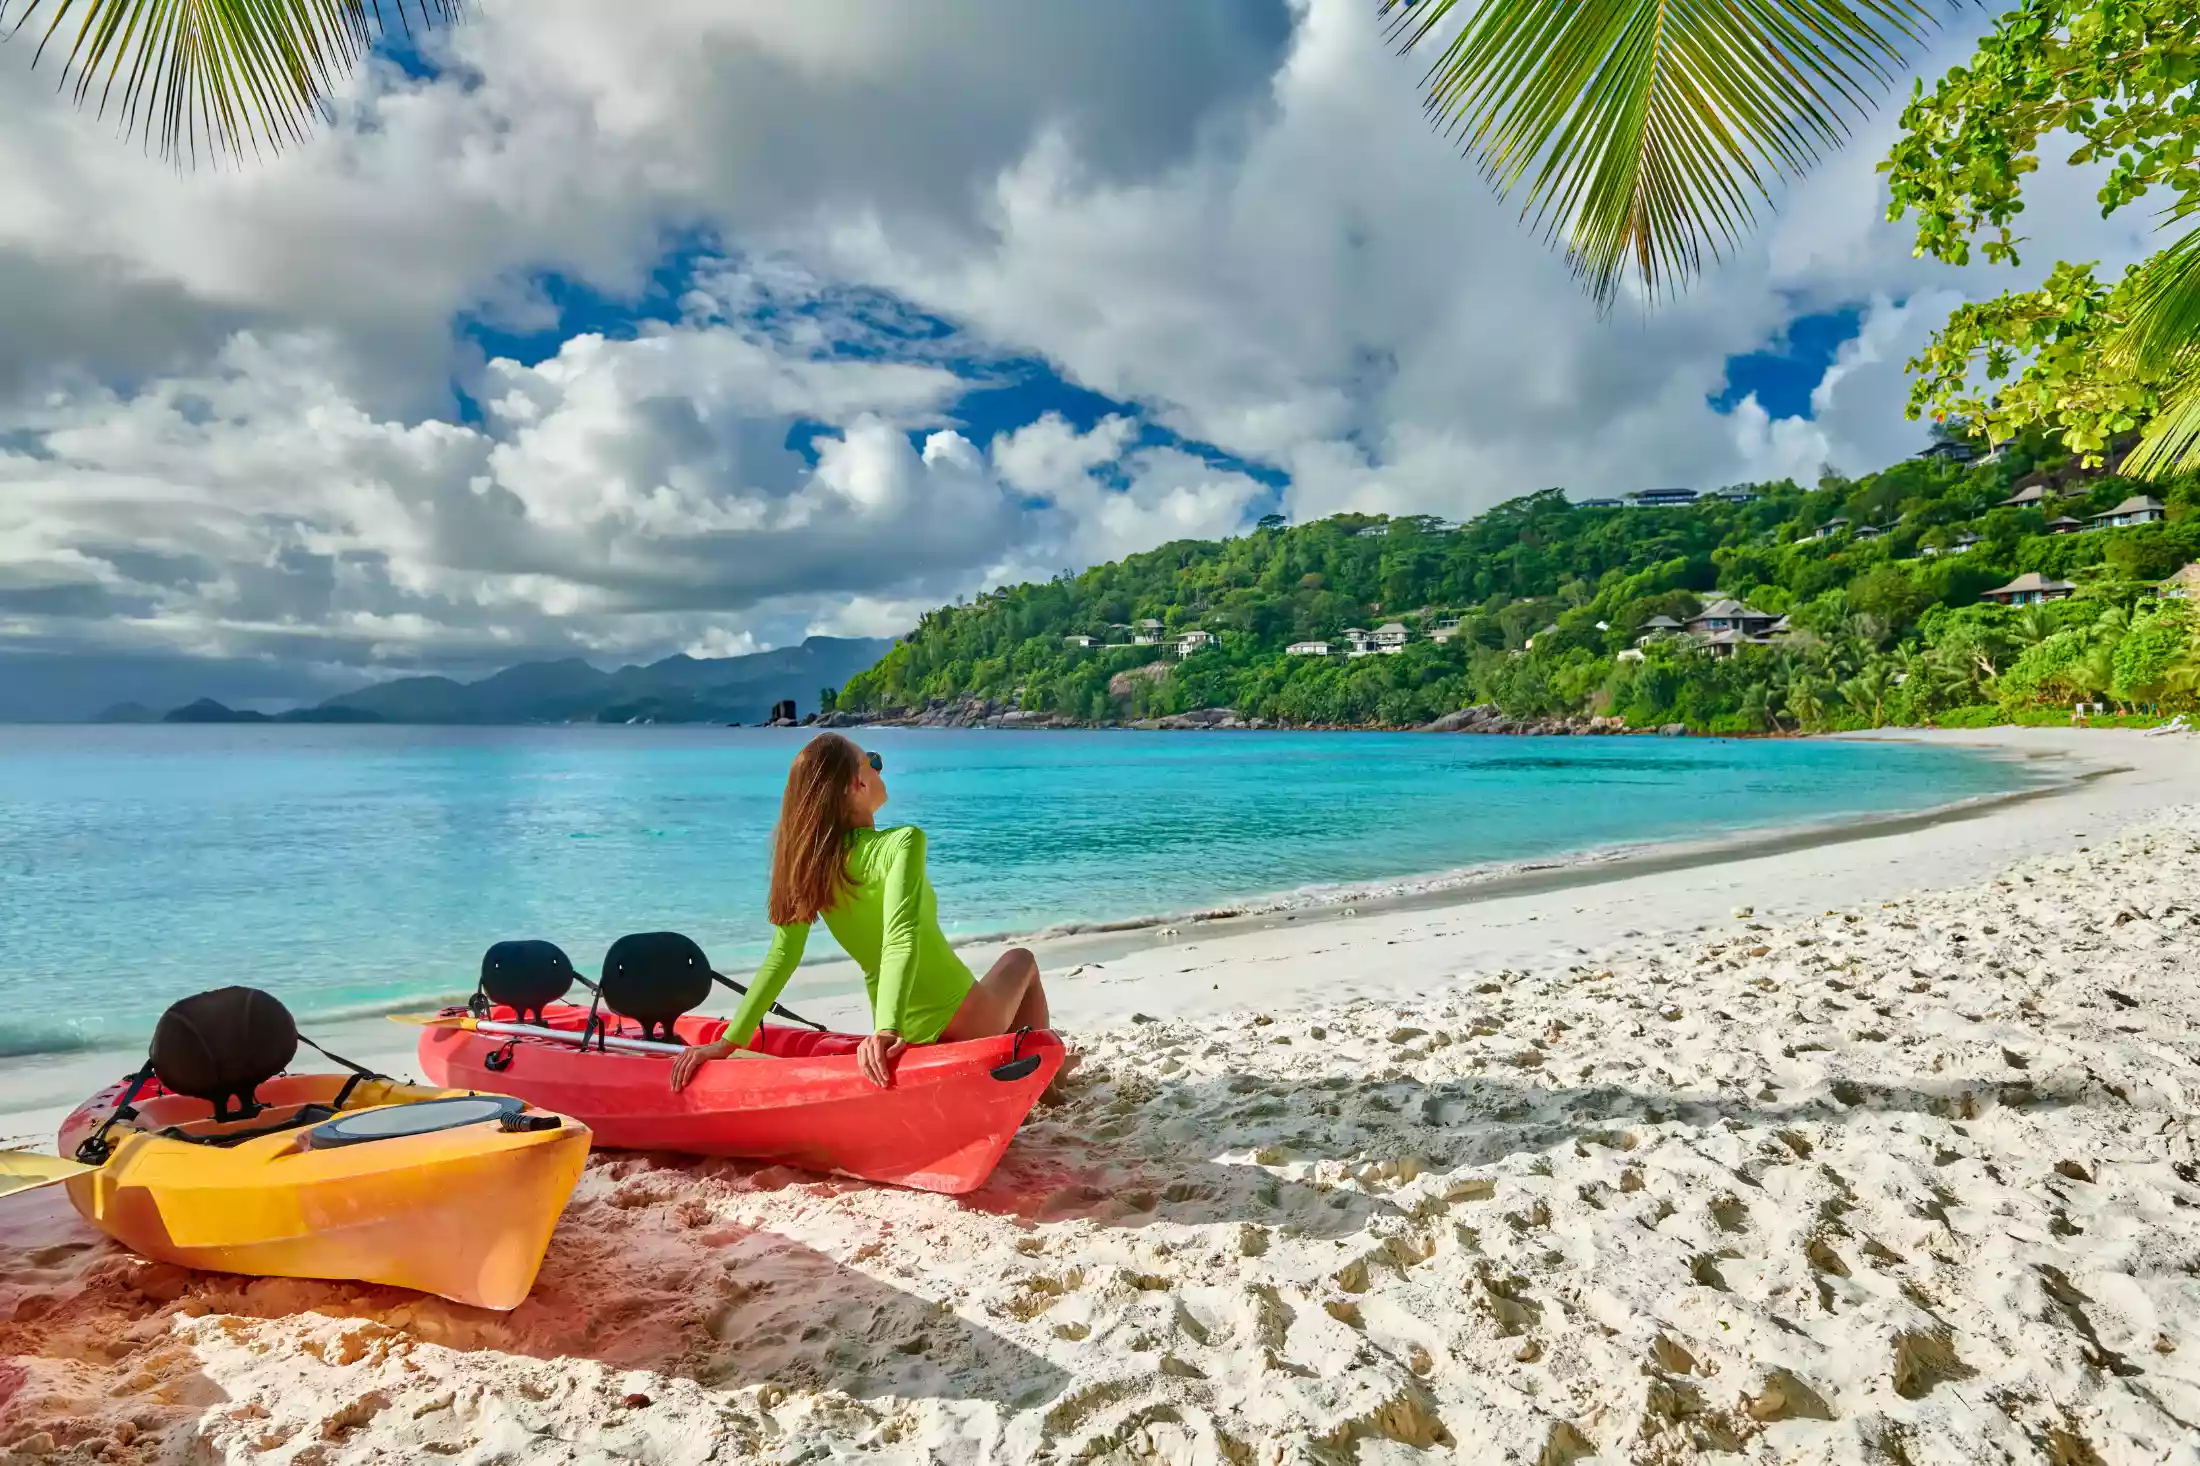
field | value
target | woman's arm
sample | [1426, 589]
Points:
[897, 958]
[770, 980]
[779, 965]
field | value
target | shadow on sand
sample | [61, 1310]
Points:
[631, 1282]
[1129, 1153]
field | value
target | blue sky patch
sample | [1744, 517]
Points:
[696, 276]
[407, 42]
[1785, 373]
[577, 308]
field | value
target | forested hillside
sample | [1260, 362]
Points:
[1884, 618]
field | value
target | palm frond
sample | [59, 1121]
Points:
[2163, 321]
[1648, 131]
[2160, 339]
[2172, 439]
[213, 77]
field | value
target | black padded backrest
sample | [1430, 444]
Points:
[223, 1045]
[655, 977]
[526, 976]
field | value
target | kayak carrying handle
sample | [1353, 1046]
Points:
[1016, 1068]
[518, 1124]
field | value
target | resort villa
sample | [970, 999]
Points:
[1729, 615]
[1307, 649]
[1726, 624]
[1955, 546]
[2138, 509]
[1444, 630]
[1657, 627]
[2029, 589]
[1389, 638]
[2031, 496]
[1662, 498]
[2064, 524]
[2183, 586]
[1191, 641]
[1080, 641]
[1146, 633]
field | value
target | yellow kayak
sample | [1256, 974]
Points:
[332, 1176]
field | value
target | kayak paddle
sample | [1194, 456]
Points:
[555, 1035]
[20, 1170]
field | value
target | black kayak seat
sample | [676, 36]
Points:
[221, 1046]
[655, 978]
[526, 976]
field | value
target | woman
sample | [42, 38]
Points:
[830, 860]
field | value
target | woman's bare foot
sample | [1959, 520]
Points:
[1057, 1088]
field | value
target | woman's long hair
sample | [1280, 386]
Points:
[810, 847]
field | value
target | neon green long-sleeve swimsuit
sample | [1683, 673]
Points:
[889, 921]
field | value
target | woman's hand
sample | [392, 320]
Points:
[687, 1061]
[876, 1057]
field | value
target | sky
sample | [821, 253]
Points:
[707, 325]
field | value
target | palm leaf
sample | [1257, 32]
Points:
[1647, 131]
[2160, 338]
[212, 76]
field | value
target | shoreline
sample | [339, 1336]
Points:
[1460, 885]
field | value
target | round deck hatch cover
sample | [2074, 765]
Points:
[423, 1117]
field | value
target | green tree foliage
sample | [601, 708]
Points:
[1545, 603]
[2093, 360]
[2147, 660]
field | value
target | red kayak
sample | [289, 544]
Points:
[799, 1100]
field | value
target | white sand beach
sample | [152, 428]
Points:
[1872, 1149]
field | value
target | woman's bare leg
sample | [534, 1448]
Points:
[1007, 998]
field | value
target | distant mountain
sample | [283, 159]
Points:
[57, 684]
[678, 689]
[206, 710]
[128, 712]
[328, 715]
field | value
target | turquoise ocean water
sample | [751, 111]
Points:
[350, 869]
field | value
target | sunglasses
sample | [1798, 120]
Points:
[877, 764]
